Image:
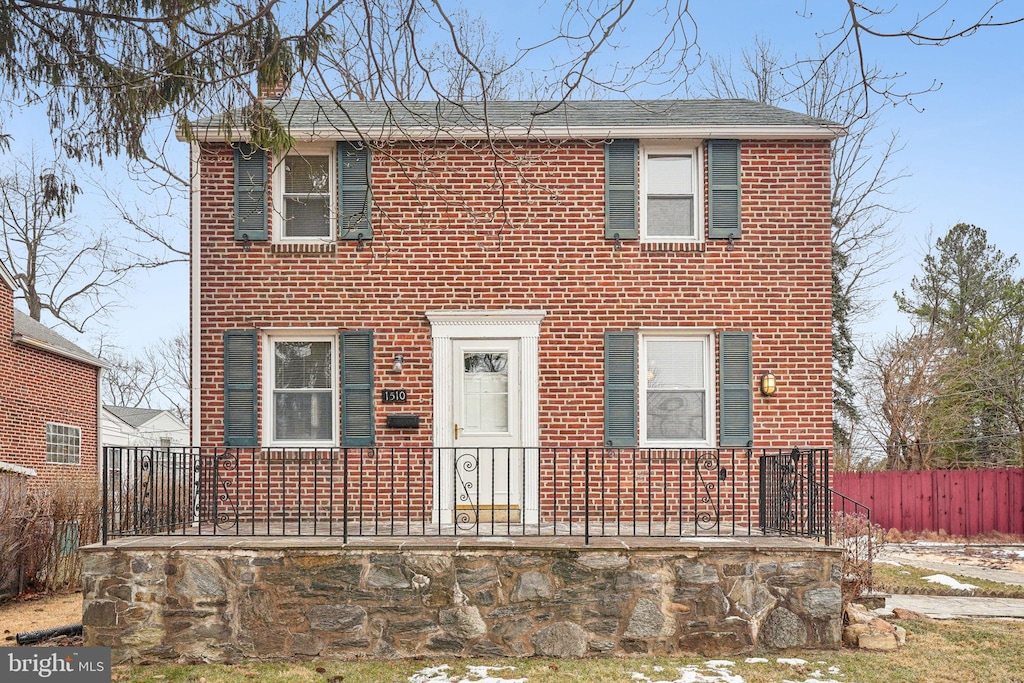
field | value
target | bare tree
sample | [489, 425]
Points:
[158, 377]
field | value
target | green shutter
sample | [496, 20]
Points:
[354, 199]
[250, 193]
[357, 389]
[620, 187]
[724, 191]
[620, 400]
[240, 388]
[736, 378]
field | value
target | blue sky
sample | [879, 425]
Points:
[962, 142]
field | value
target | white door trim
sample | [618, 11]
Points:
[523, 325]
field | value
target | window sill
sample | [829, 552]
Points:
[302, 248]
[672, 247]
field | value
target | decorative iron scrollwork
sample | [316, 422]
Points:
[227, 461]
[707, 470]
[467, 513]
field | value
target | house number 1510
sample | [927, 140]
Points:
[393, 396]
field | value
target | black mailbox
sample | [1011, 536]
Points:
[404, 421]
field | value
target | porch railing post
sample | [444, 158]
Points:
[103, 501]
[586, 496]
[344, 495]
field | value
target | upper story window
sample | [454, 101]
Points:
[676, 390]
[303, 399]
[63, 444]
[304, 196]
[670, 192]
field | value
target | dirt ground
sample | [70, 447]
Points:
[35, 613]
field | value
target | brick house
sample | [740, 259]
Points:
[49, 399]
[523, 279]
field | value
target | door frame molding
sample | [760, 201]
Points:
[523, 325]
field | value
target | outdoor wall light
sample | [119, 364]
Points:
[246, 242]
[768, 384]
[398, 362]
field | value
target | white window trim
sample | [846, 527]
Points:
[695, 148]
[270, 337]
[46, 455]
[708, 337]
[278, 193]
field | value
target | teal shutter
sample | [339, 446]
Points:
[620, 188]
[724, 191]
[357, 389]
[354, 199]
[250, 193]
[240, 393]
[620, 386]
[736, 378]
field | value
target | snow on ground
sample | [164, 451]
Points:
[478, 674]
[950, 582]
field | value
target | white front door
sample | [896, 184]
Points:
[486, 422]
[488, 448]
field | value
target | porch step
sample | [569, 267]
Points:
[485, 514]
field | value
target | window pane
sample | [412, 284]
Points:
[307, 175]
[308, 216]
[669, 174]
[675, 364]
[670, 216]
[485, 392]
[302, 365]
[675, 415]
[63, 444]
[303, 416]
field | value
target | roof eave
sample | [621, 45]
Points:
[41, 345]
[702, 132]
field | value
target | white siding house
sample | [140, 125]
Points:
[142, 427]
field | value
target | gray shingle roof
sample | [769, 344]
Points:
[519, 118]
[32, 330]
[136, 417]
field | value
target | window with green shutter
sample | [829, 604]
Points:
[354, 192]
[250, 193]
[620, 389]
[240, 353]
[357, 428]
[620, 178]
[724, 189]
[736, 370]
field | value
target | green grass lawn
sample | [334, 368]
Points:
[907, 579]
[961, 651]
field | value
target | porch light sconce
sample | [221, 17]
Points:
[398, 362]
[246, 242]
[768, 384]
[618, 242]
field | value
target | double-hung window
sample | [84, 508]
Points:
[63, 444]
[670, 190]
[676, 390]
[303, 395]
[304, 196]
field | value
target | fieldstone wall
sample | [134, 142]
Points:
[226, 604]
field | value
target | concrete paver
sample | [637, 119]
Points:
[945, 607]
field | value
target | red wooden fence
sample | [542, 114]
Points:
[962, 502]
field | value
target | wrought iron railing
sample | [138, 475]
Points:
[464, 492]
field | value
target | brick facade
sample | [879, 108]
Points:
[455, 231]
[38, 387]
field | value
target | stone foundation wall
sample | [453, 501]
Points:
[228, 604]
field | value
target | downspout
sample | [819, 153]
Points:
[194, 205]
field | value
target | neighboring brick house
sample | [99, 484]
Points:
[49, 399]
[406, 276]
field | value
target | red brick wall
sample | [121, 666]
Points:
[37, 387]
[448, 236]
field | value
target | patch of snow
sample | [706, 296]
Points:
[755, 660]
[792, 661]
[479, 674]
[950, 582]
[718, 663]
[695, 674]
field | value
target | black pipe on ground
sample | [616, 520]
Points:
[32, 637]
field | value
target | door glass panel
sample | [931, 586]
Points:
[485, 392]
